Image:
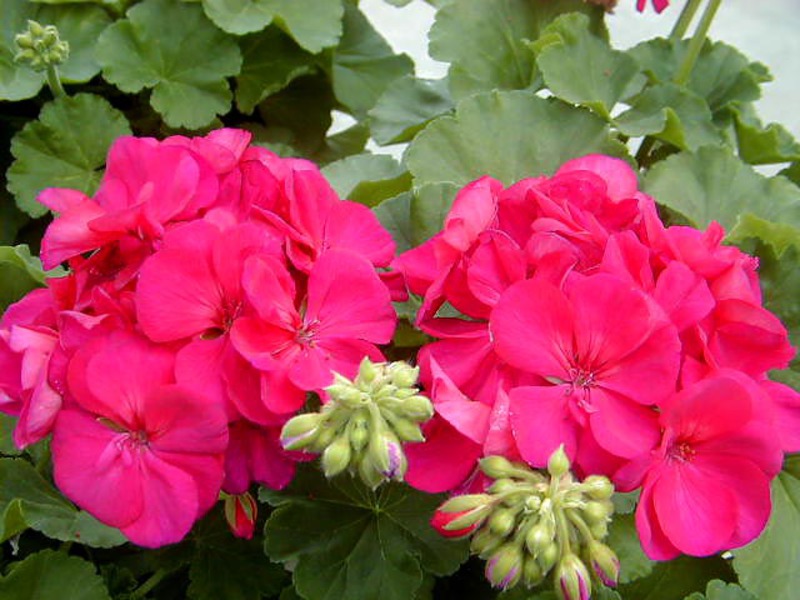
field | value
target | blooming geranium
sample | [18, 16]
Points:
[211, 285]
[565, 312]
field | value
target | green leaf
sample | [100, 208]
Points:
[367, 178]
[65, 147]
[624, 540]
[508, 135]
[19, 274]
[350, 542]
[80, 25]
[767, 567]
[582, 68]
[395, 215]
[406, 107]
[364, 64]
[299, 115]
[229, 568]
[7, 425]
[429, 207]
[11, 218]
[759, 145]
[714, 185]
[270, 61]
[486, 41]
[719, 590]
[314, 24]
[672, 114]
[172, 48]
[50, 575]
[676, 579]
[27, 500]
[792, 173]
[721, 75]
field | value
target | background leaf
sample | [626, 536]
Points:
[406, 107]
[27, 500]
[367, 178]
[337, 537]
[485, 42]
[65, 147]
[49, 575]
[19, 273]
[624, 540]
[172, 48]
[364, 64]
[767, 567]
[508, 135]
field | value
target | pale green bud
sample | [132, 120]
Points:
[465, 502]
[597, 487]
[368, 371]
[497, 467]
[501, 486]
[484, 542]
[604, 563]
[336, 456]
[503, 521]
[572, 581]
[406, 430]
[548, 557]
[532, 573]
[40, 46]
[300, 431]
[597, 511]
[469, 518]
[403, 375]
[504, 568]
[359, 432]
[418, 408]
[369, 474]
[558, 463]
[540, 537]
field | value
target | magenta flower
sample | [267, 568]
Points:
[706, 487]
[607, 354]
[658, 5]
[137, 451]
[345, 312]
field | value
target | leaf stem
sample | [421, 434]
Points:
[696, 43]
[148, 585]
[54, 82]
[685, 19]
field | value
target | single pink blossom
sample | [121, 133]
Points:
[137, 451]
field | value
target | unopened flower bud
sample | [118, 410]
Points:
[548, 557]
[40, 46]
[418, 408]
[540, 537]
[558, 463]
[241, 512]
[497, 467]
[484, 542]
[572, 580]
[367, 371]
[336, 457]
[300, 431]
[604, 563]
[532, 573]
[359, 434]
[403, 375]
[503, 521]
[504, 568]
[597, 511]
[406, 429]
[597, 487]
[502, 486]
[450, 521]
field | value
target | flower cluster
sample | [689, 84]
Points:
[211, 286]
[566, 312]
[529, 523]
[364, 423]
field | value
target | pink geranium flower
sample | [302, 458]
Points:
[607, 354]
[137, 451]
[332, 327]
[706, 487]
[658, 5]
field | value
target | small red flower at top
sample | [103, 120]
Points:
[659, 5]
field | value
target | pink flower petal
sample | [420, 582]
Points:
[541, 422]
[443, 461]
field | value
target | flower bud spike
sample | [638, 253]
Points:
[604, 563]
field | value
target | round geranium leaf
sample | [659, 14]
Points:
[65, 147]
[508, 135]
[174, 49]
[48, 575]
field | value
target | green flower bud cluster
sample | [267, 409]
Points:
[40, 46]
[362, 427]
[529, 523]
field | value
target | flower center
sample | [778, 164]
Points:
[681, 451]
[306, 334]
